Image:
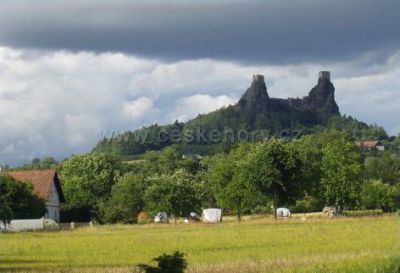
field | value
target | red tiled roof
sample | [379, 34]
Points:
[368, 143]
[42, 181]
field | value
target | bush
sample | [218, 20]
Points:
[359, 213]
[262, 210]
[174, 263]
[307, 204]
[378, 195]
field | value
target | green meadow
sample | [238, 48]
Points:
[367, 244]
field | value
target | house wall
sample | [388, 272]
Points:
[380, 148]
[53, 205]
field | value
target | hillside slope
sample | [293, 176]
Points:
[255, 116]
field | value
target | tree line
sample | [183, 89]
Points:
[317, 170]
[305, 175]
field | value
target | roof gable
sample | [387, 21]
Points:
[368, 143]
[42, 181]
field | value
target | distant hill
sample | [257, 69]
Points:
[255, 116]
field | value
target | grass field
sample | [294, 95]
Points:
[254, 245]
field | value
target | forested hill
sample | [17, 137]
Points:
[256, 116]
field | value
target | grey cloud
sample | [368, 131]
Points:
[262, 32]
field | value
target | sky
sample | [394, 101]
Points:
[72, 72]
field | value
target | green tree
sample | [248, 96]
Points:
[88, 179]
[166, 161]
[230, 183]
[341, 173]
[35, 163]
[48, 163]
[169, 160]
[276, 168]
[311, 150]
[126, 201]
[18, 201]
[385, 167]
[356, 129]
[6, 212]
[38, 164]
[177, 194]
[204, 189]
[254, 173]
[378, 195]
[191, 165]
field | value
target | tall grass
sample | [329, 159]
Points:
[254, 245]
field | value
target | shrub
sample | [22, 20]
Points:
[307, 204]
[378, 195]
[359, 213]
[264, 209]
[174, 263]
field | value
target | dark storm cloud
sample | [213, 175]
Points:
[274, 31]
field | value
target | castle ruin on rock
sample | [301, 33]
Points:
[321, 98]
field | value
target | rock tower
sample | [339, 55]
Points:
[320, 99]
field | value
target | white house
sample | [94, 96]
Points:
[47, 186]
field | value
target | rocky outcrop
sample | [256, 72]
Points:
[255, 99]
[321, 98]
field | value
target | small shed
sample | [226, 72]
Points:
[211, 215]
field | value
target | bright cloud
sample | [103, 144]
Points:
[138, 108]
[189, 107]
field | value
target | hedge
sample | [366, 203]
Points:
[358, 213]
